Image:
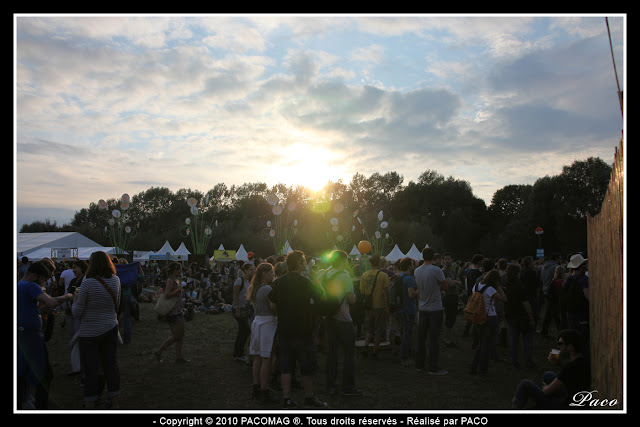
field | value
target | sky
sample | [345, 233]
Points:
[113, 104]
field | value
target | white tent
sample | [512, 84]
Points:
[414, 253]
[83, 253]
[182, 253]
[286, 249]
[355, 252]
[141, 255]
[165, 252]
[241, 254]
[394, 255]
[29, 242]
[221, 248]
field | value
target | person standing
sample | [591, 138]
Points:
[339, 327]
[550, 298]
[73, 323]
[374, 285]
[173, 289]
[263, 330]
[32, 353]
[474, 272]
[96, 304]
[431, 282]
[241, 310]
[450, 299]
[408, 310]
[491, 291]
[292, 293]
[519, 317]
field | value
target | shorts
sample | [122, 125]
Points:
[292, 350]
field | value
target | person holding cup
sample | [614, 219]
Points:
[558, 391]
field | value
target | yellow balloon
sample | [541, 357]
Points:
[364, 247]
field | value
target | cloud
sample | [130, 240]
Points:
[192, 101]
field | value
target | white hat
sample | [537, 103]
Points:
[576, 261]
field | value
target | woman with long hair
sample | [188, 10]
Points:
[263, 329]
[175, 318]
[491, 292]
[241, 311]
[96, 303]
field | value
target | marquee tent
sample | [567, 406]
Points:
[83, 253]
[165, 252]
[30, 242]
[241, 254]
[286, 249]
[355, 252]
[395, 254]
[182, 253]
[414, 253]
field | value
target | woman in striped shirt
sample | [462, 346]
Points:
[96, 303]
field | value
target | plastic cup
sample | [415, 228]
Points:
[555, 354]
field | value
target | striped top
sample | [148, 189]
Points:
[95, 306]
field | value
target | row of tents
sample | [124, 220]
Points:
[36, 246]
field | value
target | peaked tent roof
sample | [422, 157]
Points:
[355, 251]
[414, 253]
[166, 248]
[29, 242]
[287, 248]
[395, 254]
[182, 252]
[241, 254]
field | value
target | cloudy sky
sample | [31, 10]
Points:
[106, 105]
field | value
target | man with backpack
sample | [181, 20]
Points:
[340, 331]
[408, 309]
[373, 288]
[292, 293]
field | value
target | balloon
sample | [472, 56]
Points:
[364, 247]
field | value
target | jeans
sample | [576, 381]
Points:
[429, 323]
[450, 303]
[341, 334]
[527, 389]
[244, 330]
[128, 304]
[488, 335]
[551, 313]
[408, 320]
[96, 352]
[515, 332]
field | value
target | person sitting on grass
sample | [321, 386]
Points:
[559, 390]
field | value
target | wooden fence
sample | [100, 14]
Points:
[605, 233]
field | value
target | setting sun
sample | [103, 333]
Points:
[308, 165]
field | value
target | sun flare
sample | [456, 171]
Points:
[309, 165]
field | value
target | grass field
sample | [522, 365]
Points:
[214, 381]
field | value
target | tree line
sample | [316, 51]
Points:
[434, 210]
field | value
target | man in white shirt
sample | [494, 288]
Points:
[67, 275]
[431, 282]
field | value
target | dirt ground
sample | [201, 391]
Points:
[214, 381]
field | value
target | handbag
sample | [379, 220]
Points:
[115, 303]
[164, 305]
[244, 311]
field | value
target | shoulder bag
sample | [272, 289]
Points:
[115, 303]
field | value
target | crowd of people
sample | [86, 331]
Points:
[287, 307]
